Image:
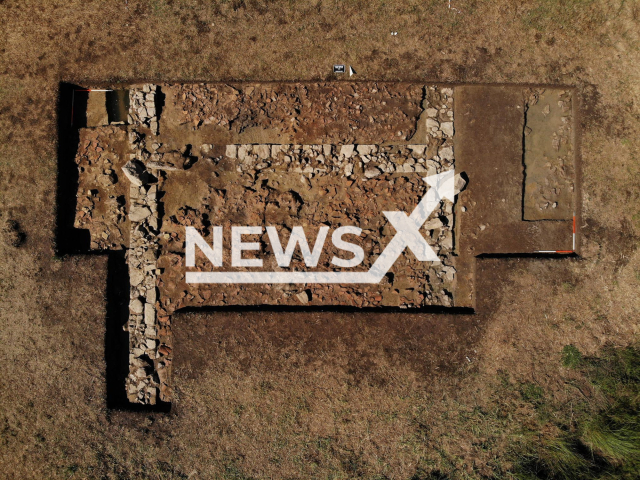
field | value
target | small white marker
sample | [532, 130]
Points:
[453, 8]
[351, 71]
[574, 231]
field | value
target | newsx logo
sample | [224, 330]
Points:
[283, 256]
[407, 235]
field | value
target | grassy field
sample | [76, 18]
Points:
[550, 386]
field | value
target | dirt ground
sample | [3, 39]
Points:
[317, 395]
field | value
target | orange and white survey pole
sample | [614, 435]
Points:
[573, 244]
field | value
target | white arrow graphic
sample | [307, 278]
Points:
[407, 235]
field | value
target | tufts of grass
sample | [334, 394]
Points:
[603, 439]
[616, 372]
[571, 356]
[615, 433]
[531, 392]
[556, 458]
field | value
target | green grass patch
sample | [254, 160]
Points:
[599, 439]
[571, 356]
[615, 433]
[531, 392]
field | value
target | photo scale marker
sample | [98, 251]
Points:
[573, 244]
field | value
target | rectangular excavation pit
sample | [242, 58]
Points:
[548, 155]
[307, 158]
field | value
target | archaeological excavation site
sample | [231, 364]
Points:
[293, 192]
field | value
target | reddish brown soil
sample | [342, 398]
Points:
[367, 112]
[102, 189]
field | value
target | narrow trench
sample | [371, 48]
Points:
[72, 109]
[525, 110]
[116, 348]
[427, 309]
[421, 122]
[117, 104]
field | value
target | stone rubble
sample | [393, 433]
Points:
[142, 107]
[101, 197]
[135, 172]
[399, 170]
[347, 160]
[147, 377]
[143, 382]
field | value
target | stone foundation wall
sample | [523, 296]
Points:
[142, 384]
[142, 107]
[146, 368]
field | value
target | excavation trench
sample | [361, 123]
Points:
[310, 156]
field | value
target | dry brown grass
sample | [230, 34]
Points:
[266, 410]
